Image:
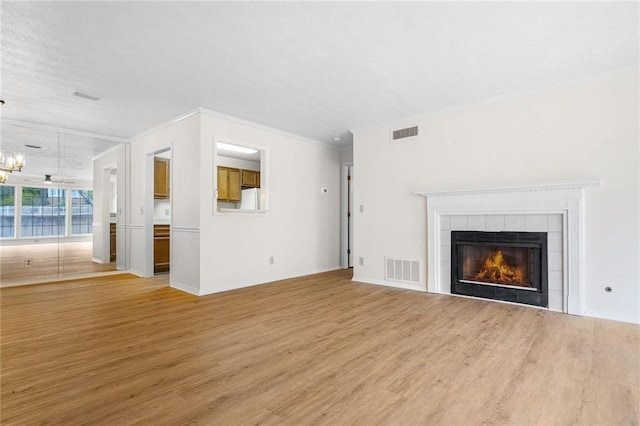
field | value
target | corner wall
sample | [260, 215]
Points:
[583, 130]
[302, 228]
[183, 137]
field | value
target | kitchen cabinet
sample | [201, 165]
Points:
[112, 245]
[229, 184]
[250, 179]
[161, 245]
[160, 178]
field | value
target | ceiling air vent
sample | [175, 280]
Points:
[408, 132]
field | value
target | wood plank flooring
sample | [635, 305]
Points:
[50, 260]
[313, 350]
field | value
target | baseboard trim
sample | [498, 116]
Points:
[86, 276]
[137, 273]
[186, 288]
[613, 316]
[251, 283]
[404, 286]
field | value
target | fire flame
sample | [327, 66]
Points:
[495, 269]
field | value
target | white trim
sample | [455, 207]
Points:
[566, 198]
[344, 209]
[56, 129]
[184, 287]
[231, 118]
[185, 229]
[63, 278]
[386, 283]
[103, 153]
[136, 273]
[166, 124]
[45, 239]
[614, 316]
[488, 101]
[529, 187]
[264, 127]
[240, 212]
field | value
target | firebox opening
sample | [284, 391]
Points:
[509, 266]
[497, 265]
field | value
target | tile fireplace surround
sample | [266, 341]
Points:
[553, 207]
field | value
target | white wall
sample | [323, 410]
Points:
[302, 228]
[346, 155]
[239, 164]
[183, 137]
[584, 130]
[102, 200]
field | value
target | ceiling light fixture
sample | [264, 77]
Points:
[85, 96]
[10, 164]
[235, 148]
[337, 139]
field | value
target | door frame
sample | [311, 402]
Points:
[346, 231]
[149, 208]
[105, 249]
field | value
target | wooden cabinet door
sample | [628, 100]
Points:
[251, 178]
[161, 246]
[223, 184]
[229, 184]
[112, 244]
[160, 178]
[235, 187]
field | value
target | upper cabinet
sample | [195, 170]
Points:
[250, 179]
[229, 184]
[160, 178]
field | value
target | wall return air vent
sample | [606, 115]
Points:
[407, 132]
[402, 270]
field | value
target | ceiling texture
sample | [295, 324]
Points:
[313, 69]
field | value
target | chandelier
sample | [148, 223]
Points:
[10, 164]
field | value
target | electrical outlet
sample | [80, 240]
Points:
[272, 260]
[361, 208]
[166, 212]
[361, 261]
[28, 262]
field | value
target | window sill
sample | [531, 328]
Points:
[239, 212]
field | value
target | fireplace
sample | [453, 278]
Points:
[508, 266]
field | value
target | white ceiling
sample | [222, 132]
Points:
[313, 69]
[63, 156]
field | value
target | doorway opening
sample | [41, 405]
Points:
[162, 212]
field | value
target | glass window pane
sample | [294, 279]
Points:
[81, 211]
[43, 211]
[7, 211]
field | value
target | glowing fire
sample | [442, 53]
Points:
[496, 270]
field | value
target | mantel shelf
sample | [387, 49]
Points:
[542, 186]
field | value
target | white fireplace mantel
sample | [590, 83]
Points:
[565, 198]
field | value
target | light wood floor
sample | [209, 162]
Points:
[315, 350]
[50, 260]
